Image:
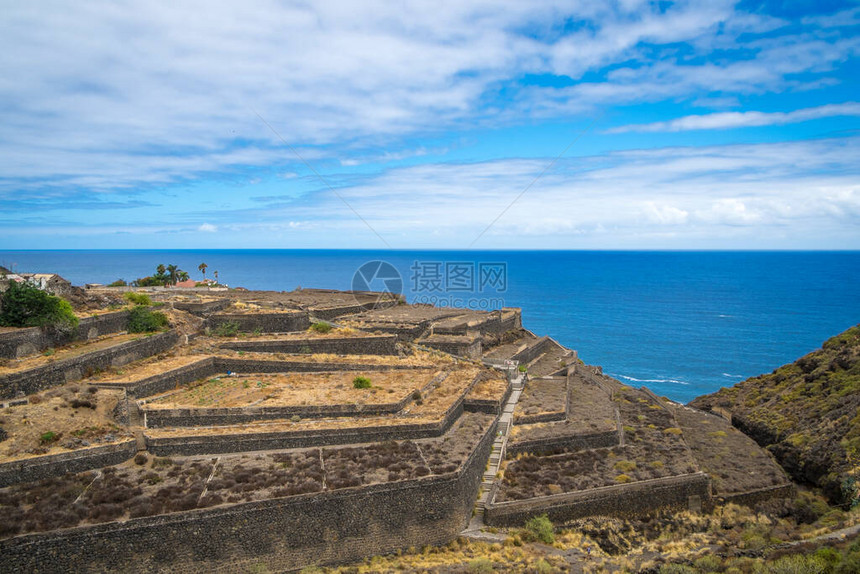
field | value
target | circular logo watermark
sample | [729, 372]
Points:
[379, 277]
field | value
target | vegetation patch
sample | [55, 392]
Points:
[25, 305]
[143, 320]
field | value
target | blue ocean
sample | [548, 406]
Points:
[681, 323]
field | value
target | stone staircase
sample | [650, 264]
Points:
[497, 455]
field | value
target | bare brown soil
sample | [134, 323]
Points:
[80, 416]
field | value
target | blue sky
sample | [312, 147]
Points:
[570, 125]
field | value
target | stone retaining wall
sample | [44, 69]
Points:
[264, 322]
[459, 345]
[533, 351]
[370, 345]
[30, 340]
[276, 535]
[564, 443]
[223, 364]
[681, 492]
[328, 313]
[493, 407]
[760, 495]
[248, 441]
[202, 307]
[186, 417]
[75, 368]
[40, 467]
[166, 381]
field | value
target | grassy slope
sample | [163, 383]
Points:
[807, 413]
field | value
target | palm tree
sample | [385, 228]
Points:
[216, 276]
[202, 268]
[183, 276]
[160, 269]
[173, 272]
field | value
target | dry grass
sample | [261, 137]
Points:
[295, 389]
[443, 395]
[146, 368]
[66, 411]
[491, 387]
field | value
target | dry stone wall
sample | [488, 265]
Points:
[28, 341]
[371, 345]
[264, 322]
[281, 534]
[40, 467]
[680, 492]
[75, 368]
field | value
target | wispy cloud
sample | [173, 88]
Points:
[138, 112]
[730, 120]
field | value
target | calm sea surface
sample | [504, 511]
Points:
[682, 323]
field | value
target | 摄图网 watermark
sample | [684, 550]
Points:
[462, 284]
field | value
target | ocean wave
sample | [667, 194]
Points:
[635, 380]
[731, 376]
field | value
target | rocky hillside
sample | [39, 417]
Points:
[807, 414]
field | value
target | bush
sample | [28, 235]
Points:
[480, 566]
[140, 458]
[138, 298]
[26, 305]
[540, 528]
[320, 327]
[143, 320]
[361, 383]
[227, 329]
[118, 283]
[522, 368]
[49, 437]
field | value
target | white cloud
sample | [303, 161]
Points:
[208, 228]
[729, 120]
[102, 96]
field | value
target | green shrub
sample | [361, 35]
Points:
[26, 305]
[540, 528]
[138, 298]
[361, 383]
[118, 283]
[49, 437]
[522, 368]
[795, 564]
[227, 329]
[677, 569]
[709, 563]
[143, 320]
[625, 465]
[480, 566]
[320, 327]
